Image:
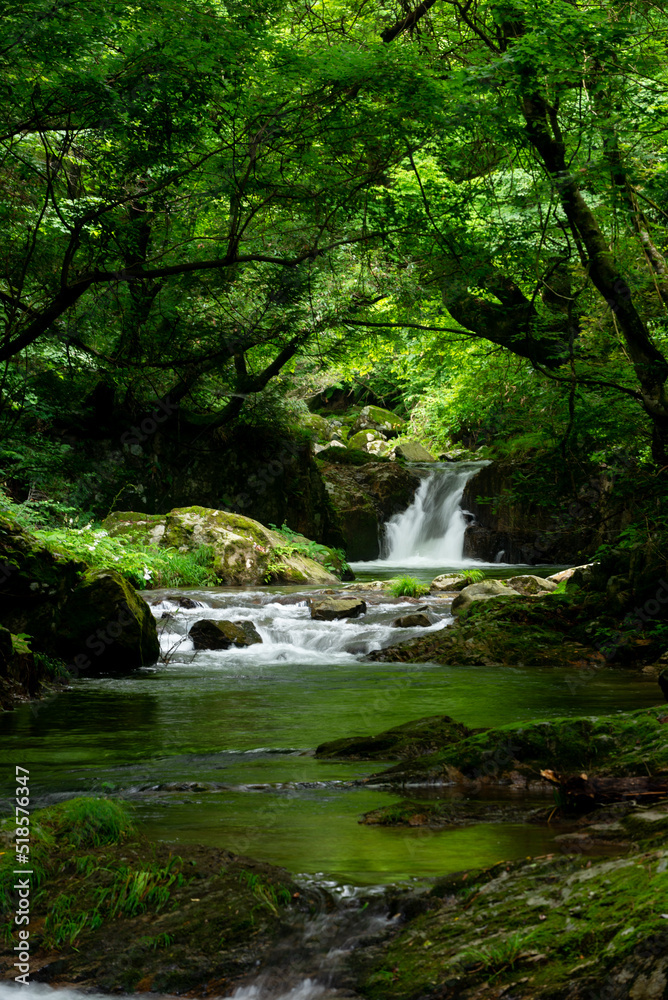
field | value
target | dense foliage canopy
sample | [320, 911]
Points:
[461, 205]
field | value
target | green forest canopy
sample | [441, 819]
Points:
[199, 198]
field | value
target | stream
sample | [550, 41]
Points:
[216, 747]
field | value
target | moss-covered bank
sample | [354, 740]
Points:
[565, 927]
[572, 629]
[112, 911]
[629, 743]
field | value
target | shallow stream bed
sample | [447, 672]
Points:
[217, 747]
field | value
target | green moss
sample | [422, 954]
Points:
[625, 744]
[400, 742]
[559, 921]
[99, 888]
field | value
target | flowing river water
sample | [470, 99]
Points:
[216, 747]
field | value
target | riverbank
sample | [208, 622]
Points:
[111, 911]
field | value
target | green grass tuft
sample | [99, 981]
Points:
[472, 576]
[88, 822]
[408, 586]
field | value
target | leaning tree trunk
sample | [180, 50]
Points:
[650, 365]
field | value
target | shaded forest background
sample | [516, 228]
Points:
[215, 216]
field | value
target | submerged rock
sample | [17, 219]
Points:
[210, 633]
[401, 742]
[328, 610]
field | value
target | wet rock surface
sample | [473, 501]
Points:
[632, 743]
[211, 633]
[522, 631]
[329, 609]
[365, 497]
[415, 620]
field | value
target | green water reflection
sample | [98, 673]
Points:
[227, 726]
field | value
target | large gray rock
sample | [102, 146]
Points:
[529, 585]
[448, 582]
[327, 610]
[209, 633]
[488, 590]
[411, 451]
[415, 620]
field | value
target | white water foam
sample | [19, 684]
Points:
[430, 533]
[307, 989]
[288, 633]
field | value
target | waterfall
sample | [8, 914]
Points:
[431, 531]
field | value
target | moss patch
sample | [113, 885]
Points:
[551, 926]
[625, 744]
[401, 742]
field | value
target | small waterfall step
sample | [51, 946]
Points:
[432, 529]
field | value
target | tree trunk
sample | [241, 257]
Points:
[649, 363]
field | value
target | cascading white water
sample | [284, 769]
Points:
[431, 531]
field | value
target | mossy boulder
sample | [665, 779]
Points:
[209, 633]
[409, 740]
[106, 627]
[363, 439]
[118, 914]
[34, 585]
[487, 590]
[93, 621]
[318, 427]
[548, 928]
[525, 631]
[375, 418]
[243, 551]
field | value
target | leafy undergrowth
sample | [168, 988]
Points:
[332, 559]
[143, 565]
[124, 914]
